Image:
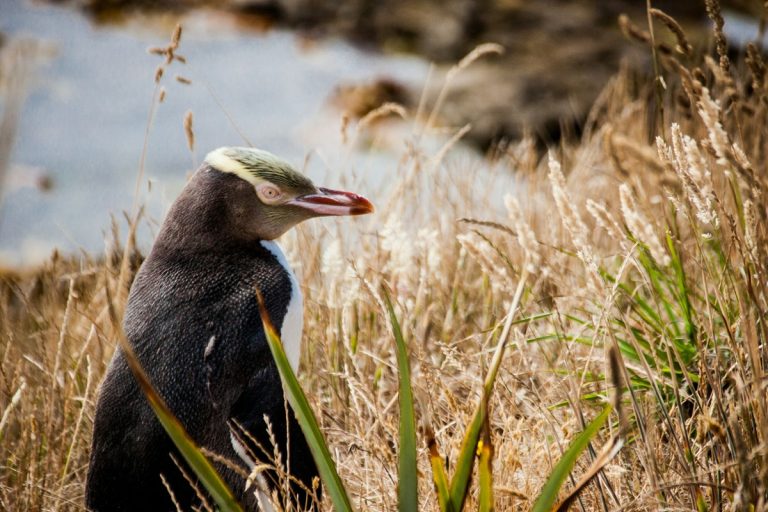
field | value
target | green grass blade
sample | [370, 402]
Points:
[465, 462]
[306, 417]
[549, 493]
[439, 475]
[408, 484]
[683, 295]
[485, 470]
[192, 454]
[202, 467]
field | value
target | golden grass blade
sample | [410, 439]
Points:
[408, 477]
[548, 497]
[192, 454]
[15, 399]
[306, 417]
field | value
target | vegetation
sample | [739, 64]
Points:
[593, 318]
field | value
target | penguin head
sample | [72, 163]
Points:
[272, 196]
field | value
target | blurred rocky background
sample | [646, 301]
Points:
[76, 84]
[558, 56]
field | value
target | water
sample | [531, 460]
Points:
[84, 119]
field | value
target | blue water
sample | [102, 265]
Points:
[85, 115]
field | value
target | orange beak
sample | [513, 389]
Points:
[333, 202]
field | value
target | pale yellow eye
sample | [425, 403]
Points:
[269, 193]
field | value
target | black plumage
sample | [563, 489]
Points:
[193, 320]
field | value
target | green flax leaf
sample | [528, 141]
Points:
[306, 417]
[408, 484]
[549, 493]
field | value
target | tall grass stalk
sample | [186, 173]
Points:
[657, 248]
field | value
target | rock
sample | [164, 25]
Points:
[559, 54]
[357, 100]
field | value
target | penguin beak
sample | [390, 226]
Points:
[333, 202]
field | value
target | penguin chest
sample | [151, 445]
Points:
[293, 322]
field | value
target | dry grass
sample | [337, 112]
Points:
[657, 246]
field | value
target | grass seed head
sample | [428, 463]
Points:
[709, 110]
[525, 235]
[189, 131]
[573, 223]
[640, 227]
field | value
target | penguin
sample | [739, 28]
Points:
[193, 321]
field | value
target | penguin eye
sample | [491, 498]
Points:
[269, 193]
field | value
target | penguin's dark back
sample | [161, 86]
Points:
[194, 322]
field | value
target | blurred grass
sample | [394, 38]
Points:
[655, 245]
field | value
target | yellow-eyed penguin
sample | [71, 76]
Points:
[193, 320]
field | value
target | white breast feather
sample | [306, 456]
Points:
[263, 498]
[290, 334]
[293, 323]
